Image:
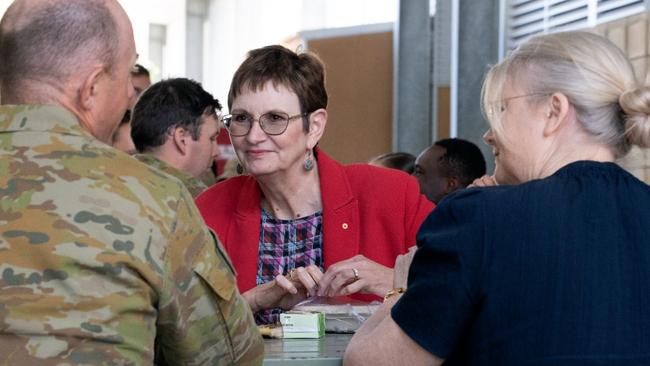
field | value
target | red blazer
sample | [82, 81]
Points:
[366, 210]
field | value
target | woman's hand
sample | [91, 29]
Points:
[285, 291]
[402, 266]
[358, 274]
[484, 181]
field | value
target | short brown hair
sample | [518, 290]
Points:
[303, 73]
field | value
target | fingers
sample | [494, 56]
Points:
[489, 181]
[315, 273]
[334, 270]
[285, 284]
[330, 275]
[305, 278]
[342, 279]
[352, 288]
[342, 274]
[326, 280]
[401, 269]
[484, 181]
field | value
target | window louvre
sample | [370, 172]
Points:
[529, 17]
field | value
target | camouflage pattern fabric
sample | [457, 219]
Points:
[101, 255]
[192, 184]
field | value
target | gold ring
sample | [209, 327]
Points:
[356, 274]
[291, 273]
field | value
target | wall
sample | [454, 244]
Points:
[233, 27]
[360, 88]
[631, 35]
[170, 13]
[237, 26]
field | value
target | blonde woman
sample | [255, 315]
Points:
[552, 267]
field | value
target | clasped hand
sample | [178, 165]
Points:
[357, 274]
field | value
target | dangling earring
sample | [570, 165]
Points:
[309, 162]
[240, 169]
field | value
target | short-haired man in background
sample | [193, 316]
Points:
[103, 261]
[174, 127]
[446, 166]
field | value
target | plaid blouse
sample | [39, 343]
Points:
[285, 245]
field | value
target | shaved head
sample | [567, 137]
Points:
[47, 41]
[75, 54]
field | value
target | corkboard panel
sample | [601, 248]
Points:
[360, 87]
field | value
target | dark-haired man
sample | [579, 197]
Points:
[103, 261]
[448, 165]
[174, 127]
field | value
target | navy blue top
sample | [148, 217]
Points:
[551, 272]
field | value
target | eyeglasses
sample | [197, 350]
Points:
[500, 105]
[272, 123]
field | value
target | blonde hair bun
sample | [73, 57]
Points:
[635, 103]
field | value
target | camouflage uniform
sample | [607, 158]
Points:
[192, 184]
[100, 254]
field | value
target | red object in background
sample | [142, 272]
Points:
[225, 151]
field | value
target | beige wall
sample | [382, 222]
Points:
[631, 35]
[360, 87]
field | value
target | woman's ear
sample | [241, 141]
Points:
[558, 113]
[317, 122]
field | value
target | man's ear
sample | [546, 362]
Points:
[558, 112]
[180, 138]
[317, 122]
[453, 184]
[91, 87]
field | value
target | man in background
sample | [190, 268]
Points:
[174, 127]
[102, 260]
[395, 160]
[446, 166]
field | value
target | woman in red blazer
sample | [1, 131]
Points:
[298, 213]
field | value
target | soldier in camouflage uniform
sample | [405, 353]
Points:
[174, 127]
[103, 260]
[194, 185]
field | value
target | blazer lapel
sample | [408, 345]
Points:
[244, 235]
[340, 212]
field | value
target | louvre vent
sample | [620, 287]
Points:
[528, 17]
